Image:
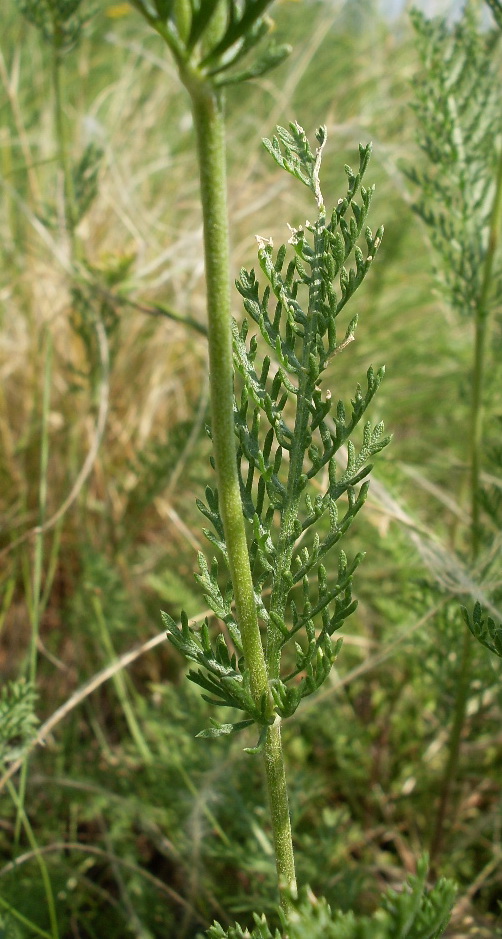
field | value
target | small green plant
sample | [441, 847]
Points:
[285, 439]
[61, 24]
[17, 719]
[484, 629]
[458, 106]
[275, 437]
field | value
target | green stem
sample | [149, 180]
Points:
[119, 682]
[279, 813]
[476, 437]
[32, 841]
[63, 156]
[481, 330]
[36, 592]
[208, 111]
[294, 487]
[42, 510]
[454, 742]
[4, 904]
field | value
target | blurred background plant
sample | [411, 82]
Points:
[460, 132]
[139, 826]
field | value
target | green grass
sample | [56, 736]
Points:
[165, 833]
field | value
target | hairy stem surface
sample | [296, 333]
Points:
[209, 123]
[279, 811]
[207, 106]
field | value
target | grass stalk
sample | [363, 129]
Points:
[49, 895]
[36, 592]
[70, 214]
[208, 112]
[35, 930]
[454, 743]
[119, 682]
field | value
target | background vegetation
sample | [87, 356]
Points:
[140, 828]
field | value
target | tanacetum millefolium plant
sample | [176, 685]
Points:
[460, 119]
[287, 440]
[289, 434]
[60, 21]
[458, 104]
[281, 501]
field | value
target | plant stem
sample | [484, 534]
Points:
[44, 873]
[119, 681]
[63, 157]
[476, 437]
[42, 510]
[208, 112]
[36, 931]
[207, 108]
[481, 330]
[273, 748]
[454, 741]
[279, 813]
[36, 592]
[294, 485]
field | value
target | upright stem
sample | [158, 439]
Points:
[279, 813]
[62, 143]
[36, 592]
[294, 484]
[207, 108]
[273, 749]
[476, 437]
[49, 895]
[481, 329]
[454, 741]
[208, 111]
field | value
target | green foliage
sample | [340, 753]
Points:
[100, 584]
[84, 187]
[414, 913]
[459, 120]
[496, 8]
[461, 202]
[59, 21]
[8, 927]
[18, 720]
[281, 418]
[85, 179]
[363, 756]
[209, 38]
[484, 628]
